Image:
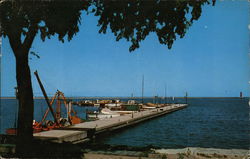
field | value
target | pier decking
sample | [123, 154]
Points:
[84, 131]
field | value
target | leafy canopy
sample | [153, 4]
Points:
[135, 19]
[132, 20]
[48, 17]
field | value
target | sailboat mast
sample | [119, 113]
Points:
[142, 91]
[165, 95]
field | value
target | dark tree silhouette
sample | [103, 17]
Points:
[133, 20]
[20, 22]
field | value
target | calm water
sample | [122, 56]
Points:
[220, 123]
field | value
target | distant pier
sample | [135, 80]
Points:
[83, 132]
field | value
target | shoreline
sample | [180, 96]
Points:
[94, 150]
[79, 151]
[185, 153]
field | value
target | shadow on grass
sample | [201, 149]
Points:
[45, 149]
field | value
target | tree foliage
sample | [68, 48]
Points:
[24, 18]
[132, 20]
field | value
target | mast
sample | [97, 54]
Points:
[142, 91]
[165, 93]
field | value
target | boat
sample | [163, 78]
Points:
[147, 107]
[103, 114]
[113, 104]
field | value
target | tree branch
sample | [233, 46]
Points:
[30, 36]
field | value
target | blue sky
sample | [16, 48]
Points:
[212, 60]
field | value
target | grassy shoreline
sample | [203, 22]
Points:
[80, 151]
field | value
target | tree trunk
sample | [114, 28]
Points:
[24, 86]
[26, 103]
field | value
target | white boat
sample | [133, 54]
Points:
[108, 111]
[104, 114]
[147, 107]
[113, 104]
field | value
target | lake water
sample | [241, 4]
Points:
[207, 122]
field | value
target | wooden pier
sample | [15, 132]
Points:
[85, 131]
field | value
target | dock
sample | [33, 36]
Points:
[83, 132]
